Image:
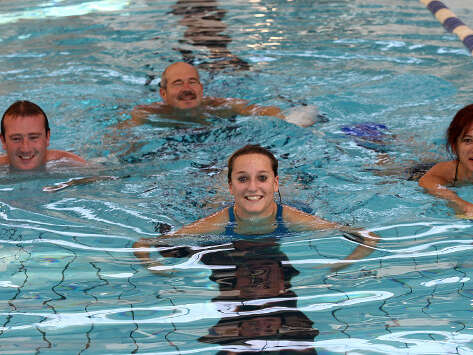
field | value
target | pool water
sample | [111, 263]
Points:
[70, 283]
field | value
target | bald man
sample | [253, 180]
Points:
[183, 95]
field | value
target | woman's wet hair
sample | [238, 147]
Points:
[460, 123]
[24, 109]
[252, 149]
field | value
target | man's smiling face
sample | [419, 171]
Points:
[181, 87]
[26, 141]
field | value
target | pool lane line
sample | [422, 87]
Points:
[451, 22]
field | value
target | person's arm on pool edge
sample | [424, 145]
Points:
[435, 182]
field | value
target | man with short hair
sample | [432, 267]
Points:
[25, 138]
[183, 94]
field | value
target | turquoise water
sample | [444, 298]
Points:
[70, 283]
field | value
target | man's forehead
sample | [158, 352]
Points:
[12, 122]
[181, 71]
[39, 117]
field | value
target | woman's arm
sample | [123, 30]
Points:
[304, 221]
[435, 182]
[212, 224]
[366, 245]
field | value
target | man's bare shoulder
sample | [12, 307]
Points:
[3, 160]
[53, 155]
[155, 107]
[222, 101]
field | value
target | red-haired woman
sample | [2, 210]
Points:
[458, 171]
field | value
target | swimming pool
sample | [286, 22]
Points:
[70, 283]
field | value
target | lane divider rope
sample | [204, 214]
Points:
[451, 22]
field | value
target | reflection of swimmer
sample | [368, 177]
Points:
[253, 180]
[183, 98]
[454, 172]
[256, 300]
[205, 28]
[257, 270]
[25, 138]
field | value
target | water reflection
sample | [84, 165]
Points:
[205, 28]
[256, 302]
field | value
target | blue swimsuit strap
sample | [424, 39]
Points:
[231, 221]
[280, 228]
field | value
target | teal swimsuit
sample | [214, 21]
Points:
[280, 226]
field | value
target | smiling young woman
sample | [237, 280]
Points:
[253, 180]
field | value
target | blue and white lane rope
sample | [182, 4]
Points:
[451, 22]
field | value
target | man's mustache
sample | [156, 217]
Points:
[186, 95]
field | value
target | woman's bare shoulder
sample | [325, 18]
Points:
[215, 223]
[303, 220]
[450, 165]
[445, 171]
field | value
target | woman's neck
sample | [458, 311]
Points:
[257, 224]
[464, 174]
